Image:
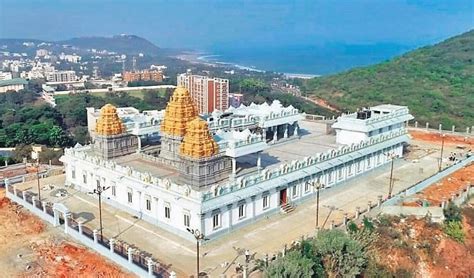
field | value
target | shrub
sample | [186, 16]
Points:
[452, 213]
[341, 255]
[454, 230]
[294, 264]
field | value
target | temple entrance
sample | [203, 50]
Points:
[283, 197]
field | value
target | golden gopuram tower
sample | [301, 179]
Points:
[109, 122]
[179, 112]
[111, 138]
[188, 145]
[198, 142]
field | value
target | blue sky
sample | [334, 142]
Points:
[236, 24]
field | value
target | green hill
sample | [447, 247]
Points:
[435, 82]
[129, 44]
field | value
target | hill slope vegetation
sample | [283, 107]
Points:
[435, 82]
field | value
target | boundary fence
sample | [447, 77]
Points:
[126, 255]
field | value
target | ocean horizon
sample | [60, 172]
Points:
[305, 60]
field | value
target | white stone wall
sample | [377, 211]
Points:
[172, 196]
[338, 173]
[159, 198]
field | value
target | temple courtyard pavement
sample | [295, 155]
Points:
[265, 236]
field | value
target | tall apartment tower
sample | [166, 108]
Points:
[208, 93]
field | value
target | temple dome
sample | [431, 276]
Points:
[198, 141]
[179, 111]
[109, 122]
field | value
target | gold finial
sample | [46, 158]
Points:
[109, 122]
[179, 111]
[198, 141]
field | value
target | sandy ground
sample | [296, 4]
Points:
[31, 248]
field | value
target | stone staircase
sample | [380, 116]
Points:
[287, 208]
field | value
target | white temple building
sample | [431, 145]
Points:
[273, 154]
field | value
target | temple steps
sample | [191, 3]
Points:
[287, 208]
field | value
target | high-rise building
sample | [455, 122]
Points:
[61, 76]
[208, 93]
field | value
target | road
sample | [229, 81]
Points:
[121, 89]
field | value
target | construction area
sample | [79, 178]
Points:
[31, 248]
[453, 184]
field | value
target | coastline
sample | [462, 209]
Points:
[205, 58]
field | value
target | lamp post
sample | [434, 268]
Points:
[248, 258]
[390, 184]
[98, 191]
[317, 185]
[38, 179]
[198, 236]
[440, 165]
[331, 209]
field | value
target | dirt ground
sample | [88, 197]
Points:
[29, 248]
[434, 137]
[421, 248]
[443, 189]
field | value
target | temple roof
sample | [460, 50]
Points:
[179, 112]
[109, 122]
[198, 141]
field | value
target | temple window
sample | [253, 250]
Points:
[187, 219]
[295, 191]
[148, 202]
[242, 211]
[216, 221]
[265, 201]
[167, 211]
[130, 195]
[114, 189]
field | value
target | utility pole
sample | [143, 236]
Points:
[441, 155]
[98, 191]
[198, 236]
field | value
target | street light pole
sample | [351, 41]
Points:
[198, 236]
[390, 184]
[317, 186]
[441, 155]
[391, 181]
[99, 190]
[38, 179]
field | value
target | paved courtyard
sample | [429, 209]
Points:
[219, 256]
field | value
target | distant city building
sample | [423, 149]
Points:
[41, 52]
[73, 58]
[144, 75]
[208, 93]
[61, 76]
[235, 100]
[5, 75]
[14, 84]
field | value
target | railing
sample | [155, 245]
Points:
[139, 258]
